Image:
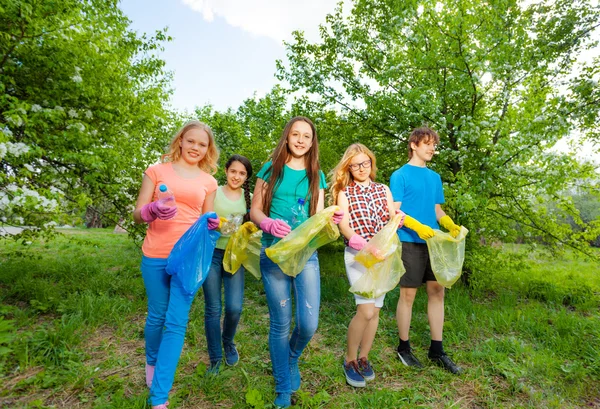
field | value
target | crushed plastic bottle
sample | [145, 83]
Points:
[232, 224]
[166, 196]
[299, 214]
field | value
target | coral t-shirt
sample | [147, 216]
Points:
[189, 194]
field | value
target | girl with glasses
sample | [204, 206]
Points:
[367, 207]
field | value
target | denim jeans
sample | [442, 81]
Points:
[234, 297]
[168, 310]
[307, 295]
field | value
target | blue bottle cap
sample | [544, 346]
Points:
[162, 188]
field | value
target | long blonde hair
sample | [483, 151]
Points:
[209, 161]
[341, 177]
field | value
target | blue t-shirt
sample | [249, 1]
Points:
[293, 186]
[419, 189]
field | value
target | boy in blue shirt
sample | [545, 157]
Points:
[417, 191]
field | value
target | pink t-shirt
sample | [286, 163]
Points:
[189, 194]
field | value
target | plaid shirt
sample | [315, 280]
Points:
[368, 208]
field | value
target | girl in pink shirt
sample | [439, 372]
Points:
[186, 171]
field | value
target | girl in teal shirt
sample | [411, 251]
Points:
[292, 173]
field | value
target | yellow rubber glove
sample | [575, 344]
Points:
[449, 225]
[424, 232]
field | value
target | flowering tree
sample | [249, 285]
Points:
[501, 81]
[81, 109]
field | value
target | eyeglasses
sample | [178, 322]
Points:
[366, 164]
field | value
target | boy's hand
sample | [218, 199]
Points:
[424, 232]
[449, 225]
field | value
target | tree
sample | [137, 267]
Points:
[254, 129]
[499, 80]
[82, 102]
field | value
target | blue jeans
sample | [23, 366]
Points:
[307, 294]
[234, 296]
[168, 310]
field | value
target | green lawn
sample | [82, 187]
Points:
[71, 336]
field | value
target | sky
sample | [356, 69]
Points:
[224, 51]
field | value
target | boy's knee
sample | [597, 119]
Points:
[407, 297]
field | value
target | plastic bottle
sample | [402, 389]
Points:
[299, 214]
[166, 196]
[232, 224]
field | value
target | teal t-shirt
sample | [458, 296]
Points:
[293, 186]
[419, 189]
[224, 207]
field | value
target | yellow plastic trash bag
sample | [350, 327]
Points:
[447, 255]
[381, 245]
[243, 249]
[294, 250]
[382, 256]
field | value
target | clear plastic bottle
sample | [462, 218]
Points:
[166, 196]
[232, 224]
[299, 213]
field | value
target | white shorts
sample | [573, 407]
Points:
[355, 270]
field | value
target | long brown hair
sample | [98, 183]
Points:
[280, 157]
[209, 161]
[341, 177]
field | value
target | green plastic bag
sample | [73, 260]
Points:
[293, 251]
[447, 255]
[243, 249]
[382, 256]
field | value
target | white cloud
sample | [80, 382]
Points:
[275, 19]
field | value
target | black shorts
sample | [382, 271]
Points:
[416, 262]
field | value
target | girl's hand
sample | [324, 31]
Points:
[357, 242]
[213, 223]
[277, 228]
[157, 209]
[337, 217]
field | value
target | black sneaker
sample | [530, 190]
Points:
[445, 362]
[408, 358]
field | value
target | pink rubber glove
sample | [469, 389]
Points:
[213, 224]
[337, 216]
[157, 209]
[357, 242]
[277, 228]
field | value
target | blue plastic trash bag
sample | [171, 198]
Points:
[192, 254]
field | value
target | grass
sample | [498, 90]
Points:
[71, 336]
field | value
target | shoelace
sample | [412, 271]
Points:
[353, 364]
[363, 364]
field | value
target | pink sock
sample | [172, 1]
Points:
[149, 375]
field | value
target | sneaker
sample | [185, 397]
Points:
[161, 406]
[295, 378]
[353, 376]
[365, 369]
[445, 362]
[149, 375]
[213, 368]
[283, 400]
[231, 355]
[408, 358]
